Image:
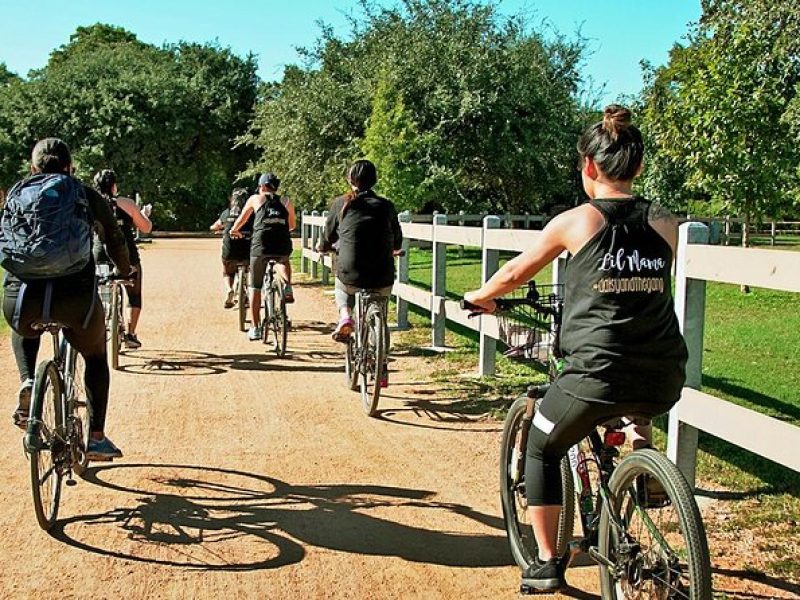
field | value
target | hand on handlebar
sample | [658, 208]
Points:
[482, 305]
[147, 210]
[236, 235]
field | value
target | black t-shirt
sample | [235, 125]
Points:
[368, 232]
[235, 249]
[271, 229]
[620, 336]
[126, 226]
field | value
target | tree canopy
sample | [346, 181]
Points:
[166, 119]
[454, 105]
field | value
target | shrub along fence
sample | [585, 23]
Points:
[696, 262]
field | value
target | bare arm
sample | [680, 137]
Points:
[292, 215]
[217, 226]
[665, 224]
[141, 222]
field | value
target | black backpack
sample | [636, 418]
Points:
[45, 228]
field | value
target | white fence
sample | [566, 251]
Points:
[696, 263]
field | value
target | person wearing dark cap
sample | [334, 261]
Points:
[274, 219]
[51, 276]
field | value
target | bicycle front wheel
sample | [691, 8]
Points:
[373, 362]
[521, 539]
[652, 532]
[44, 443]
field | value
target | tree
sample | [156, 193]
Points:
[453, 103]
[720, 114]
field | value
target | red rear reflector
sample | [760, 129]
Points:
[615, 438]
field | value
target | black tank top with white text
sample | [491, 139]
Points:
[271, 229]
[620, 336]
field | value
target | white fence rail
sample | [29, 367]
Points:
[696, 263]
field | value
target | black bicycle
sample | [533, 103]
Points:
[367, 349]
[276, 321]
[638, 517]
[59, 425]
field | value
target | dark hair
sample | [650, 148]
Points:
[51, 155]
[363, 175]
[614, 144]
[238, 198]
[104, 181]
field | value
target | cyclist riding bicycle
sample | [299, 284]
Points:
[623, 351]
[45, 246]
[129, 218]
[274, 219]
[234, 251]
[368, 235]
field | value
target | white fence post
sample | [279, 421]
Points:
[402, 274]
[690, 307]
[303, 242]
[326, 271]
[461, 223]
[560, 269]
[490, 262]
[438, 284]
[314, 244]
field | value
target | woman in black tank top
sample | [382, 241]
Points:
[623, 350]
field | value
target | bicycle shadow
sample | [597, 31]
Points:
[742, 574]
[217, 519]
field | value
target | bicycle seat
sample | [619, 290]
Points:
[49, 326]
[623, 422]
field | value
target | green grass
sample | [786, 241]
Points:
[751, 357]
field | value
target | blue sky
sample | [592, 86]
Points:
[619, 37]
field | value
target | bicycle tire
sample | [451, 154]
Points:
[115, 338]
[690, 524]
[43, 443]
[521, 539]
[280, 326]
[349, 360]
[241, 299]
[373, 361]
[269, 314]
[81, 408]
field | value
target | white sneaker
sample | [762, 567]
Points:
[254, 334]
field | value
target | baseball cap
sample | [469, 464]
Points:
[51, 155]
[269, 179]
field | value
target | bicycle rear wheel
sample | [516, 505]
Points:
[44, 443]
[241, 298]
[280, 322]
[521, 539]
[81, 407]
[114, 321]
[658, 546]
[373, 361]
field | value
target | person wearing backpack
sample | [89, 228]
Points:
[46, 249]
[129, 219]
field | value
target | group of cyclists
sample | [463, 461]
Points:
[622, 348]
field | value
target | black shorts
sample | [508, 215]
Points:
[230, 265]
[258, 268]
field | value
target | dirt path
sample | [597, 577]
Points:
[250, 477]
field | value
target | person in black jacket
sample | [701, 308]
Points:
[623, 351]
[365, 229]
[73, 301]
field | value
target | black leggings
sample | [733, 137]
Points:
[77, 307]
[561, 422]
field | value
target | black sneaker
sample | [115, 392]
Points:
[131, 341]
[543, 577]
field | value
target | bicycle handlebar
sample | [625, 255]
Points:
[506, 304]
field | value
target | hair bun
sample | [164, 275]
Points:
[616, 119]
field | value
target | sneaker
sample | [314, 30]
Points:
[229, 300]
[344, 330]
[254, 334]
[288, 294]
[131, 341]
[102, 450]
[650, 493]
[20, 415]
[543, 577]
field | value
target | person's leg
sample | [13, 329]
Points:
[284, 271]
[257, 269]
[228, 277]
[344, 295]
[135, 301]
[24, 343]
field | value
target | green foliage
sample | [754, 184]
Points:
[721, 117]
[454, 105]
[166, 119]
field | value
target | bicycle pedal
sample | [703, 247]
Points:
[71, 482]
